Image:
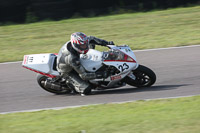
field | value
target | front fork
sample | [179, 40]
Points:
[131, 75]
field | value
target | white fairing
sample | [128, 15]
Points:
[41, 63]
[124, 60]
[94, 59]
[123, 66]
[91, 61]
[125, 49]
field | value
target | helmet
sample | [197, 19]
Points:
[80, 42]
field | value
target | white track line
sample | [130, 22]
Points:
[145, 50]
[77, 106]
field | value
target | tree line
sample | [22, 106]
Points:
[21, 11]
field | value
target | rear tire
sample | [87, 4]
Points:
[145, 77]
[41, 78]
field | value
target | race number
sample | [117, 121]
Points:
[123, 67]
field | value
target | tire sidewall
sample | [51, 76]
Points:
[145, 70]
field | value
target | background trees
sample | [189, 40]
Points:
[20, 11]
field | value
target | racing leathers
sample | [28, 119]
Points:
[68, 61]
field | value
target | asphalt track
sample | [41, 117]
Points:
[177, 70]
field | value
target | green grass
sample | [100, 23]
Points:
[180, 115]
[174, 27]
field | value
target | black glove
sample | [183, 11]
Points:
[100, 75]
[111, 43]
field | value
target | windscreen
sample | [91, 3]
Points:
[113, 55]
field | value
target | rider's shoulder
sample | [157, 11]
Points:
[66, 46]
[91, 37]
[68, 43]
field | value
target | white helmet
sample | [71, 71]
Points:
[80, 42]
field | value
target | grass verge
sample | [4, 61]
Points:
[180, 115]
[173, 27]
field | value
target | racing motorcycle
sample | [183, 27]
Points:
[119, 62]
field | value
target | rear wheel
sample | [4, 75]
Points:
[41, 79]
[144, 77]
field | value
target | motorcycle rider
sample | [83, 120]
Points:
[68, 61]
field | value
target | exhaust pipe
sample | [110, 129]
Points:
[53, 86]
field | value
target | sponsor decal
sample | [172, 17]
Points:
[116, 77]
[25, 59]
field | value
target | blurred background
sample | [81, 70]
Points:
[26, 11]
[43, 26]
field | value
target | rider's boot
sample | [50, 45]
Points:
[87, 91]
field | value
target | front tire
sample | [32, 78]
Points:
[41, 79]
[145, 77]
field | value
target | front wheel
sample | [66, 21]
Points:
[144, 77]
[41, 79]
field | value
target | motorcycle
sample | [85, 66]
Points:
[119, 62]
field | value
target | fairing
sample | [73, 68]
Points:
[91, 61]
[41, 63]
[122, 57]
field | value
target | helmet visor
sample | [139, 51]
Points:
[82, 46]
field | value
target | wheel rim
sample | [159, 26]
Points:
[142, 78]
[42, 82]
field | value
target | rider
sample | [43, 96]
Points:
[68, 63]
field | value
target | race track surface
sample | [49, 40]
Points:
[177, 70]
